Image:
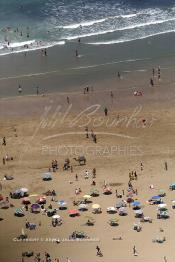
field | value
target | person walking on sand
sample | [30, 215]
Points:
[116, 193]
[112, 95]
[97, 248]
[76, 177]
[94, 173]
[68, 100]
[166, 166]
[4, 141]
[165, 259]
[141, 166]
[95, 139]
[86, 130]
[92, 134]
[134, 251]
[106, 111]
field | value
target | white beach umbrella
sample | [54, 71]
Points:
[56, 216]
[162, 205]
[111, 209]
[24, 190]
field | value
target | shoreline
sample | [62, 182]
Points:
[62, 71]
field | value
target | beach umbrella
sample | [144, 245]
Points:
[17, 191]
[107, 191]
[113, 221]
[155, 198]
[139, 212]
[136, 204]
[82, 207]
[24, 190]
[111, 209]
[122, 211]
[41, 200]
[95, 206]
[47, 176]
[62, 203]
[19, 211]
[162, 193]
[86, 196]
[162, 206]
[119, 204]
[4, 204]
[72, 212]
[94, 190]
[35, 206]
[56, 216]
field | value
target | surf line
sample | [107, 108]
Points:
[30, 75]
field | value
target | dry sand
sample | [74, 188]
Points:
[120, 148]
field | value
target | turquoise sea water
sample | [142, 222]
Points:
[34, 24]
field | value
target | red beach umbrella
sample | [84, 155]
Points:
[73, 212]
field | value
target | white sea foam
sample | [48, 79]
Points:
[156, 22]
[83, 24]
[117, 41]
[20, 47]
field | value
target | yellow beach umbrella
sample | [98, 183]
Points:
[95, 206]
[86, 196]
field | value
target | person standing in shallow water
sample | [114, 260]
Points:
[151, 82]
[37, 90]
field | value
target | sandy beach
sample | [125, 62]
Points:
[137, 129]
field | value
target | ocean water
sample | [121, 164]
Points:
[27, 25]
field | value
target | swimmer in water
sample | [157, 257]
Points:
[19, 89]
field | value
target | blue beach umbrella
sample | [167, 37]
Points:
[136, 204]
[62, 203]
[156, 198]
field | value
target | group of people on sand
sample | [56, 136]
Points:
[6, 159]
[54, 165]
[92, 135]
[87, 89]
[152, 79]
[47, 258]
